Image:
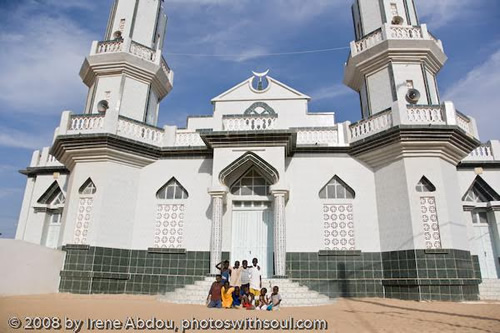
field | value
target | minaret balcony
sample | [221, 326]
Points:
[413, 115]
[393, 32]
[127, 56]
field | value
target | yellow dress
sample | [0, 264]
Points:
[227, 297]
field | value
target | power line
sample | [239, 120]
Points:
[258, 54]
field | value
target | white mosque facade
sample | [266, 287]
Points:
[403, 203]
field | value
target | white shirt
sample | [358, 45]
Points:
[245, 275]
[255, 274]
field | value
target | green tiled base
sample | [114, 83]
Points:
[443, 274]
[94, 270]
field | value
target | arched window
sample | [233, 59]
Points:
[53, 196]
[336, 189]
[480, 191]
[251, 183]
[88, 188]
[424, 185]
[172, 190]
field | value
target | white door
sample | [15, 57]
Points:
[51, 232]
[252, 235]
[485, 246]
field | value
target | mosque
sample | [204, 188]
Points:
[402, 204]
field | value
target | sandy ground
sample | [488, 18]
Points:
[346, 315]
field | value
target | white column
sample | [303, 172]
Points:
[216, 234]
[279, 232]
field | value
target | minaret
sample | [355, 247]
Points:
[126, 72]
[394, 58]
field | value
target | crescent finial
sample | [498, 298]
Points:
[261, 74]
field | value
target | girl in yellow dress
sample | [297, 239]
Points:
[227, 297]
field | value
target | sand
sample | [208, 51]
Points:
[346, 315]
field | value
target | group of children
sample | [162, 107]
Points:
[241, 287]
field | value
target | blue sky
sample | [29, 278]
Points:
[43, 44]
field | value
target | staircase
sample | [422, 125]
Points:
[489, 289]
[292, 293]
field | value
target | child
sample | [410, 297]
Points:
[275, 300]
[263, 300]
[225, 270]
[235, 278]
[214, 295]
[236, 297]
[247, 298]
[226, 295]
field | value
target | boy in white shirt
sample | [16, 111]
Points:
[255, 278]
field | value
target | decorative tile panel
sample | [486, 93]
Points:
[169, 228]
[430, 222]
[83, 219]
[338, 224]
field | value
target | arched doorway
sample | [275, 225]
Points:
[249, 179]
[252, 221]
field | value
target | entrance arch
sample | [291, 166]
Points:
[249, 179]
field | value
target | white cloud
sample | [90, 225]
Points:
[439, 13]
[19, 139]
[330, 92]
[475, 95]
[42, 56]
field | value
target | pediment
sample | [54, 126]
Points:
[275, 90]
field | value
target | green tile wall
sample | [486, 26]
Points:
[93, 270]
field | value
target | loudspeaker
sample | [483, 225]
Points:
[413, 96]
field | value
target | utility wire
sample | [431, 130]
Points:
[258, 54]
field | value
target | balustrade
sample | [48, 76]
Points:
[86, 122]
[138, 131]
[249, 123]
[425, 114]
[372, 125]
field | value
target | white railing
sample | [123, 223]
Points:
[369, 41]
[188, 138]
[425, 114]
[317, 137]
[388, 31]
[165, 67]
[86, 122]
[142, 51]
[372, 125]
[405, 32]
[481, 153]
[109, 46]
[249, 123]
[138, 131]
[464, 123]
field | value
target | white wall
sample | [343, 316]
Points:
[134, 98]
[379, 90]
[113, 209]
[107, 83]
[404, 72]
[306, 175]
[370, 15]
[194, 174]
[29, 269]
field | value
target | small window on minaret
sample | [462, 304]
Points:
[122, 25]
[409, 84]
[394, 9]
[107, 95]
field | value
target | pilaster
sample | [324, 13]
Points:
[280, 196]
[218, 196]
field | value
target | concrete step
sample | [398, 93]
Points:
[292, 293]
